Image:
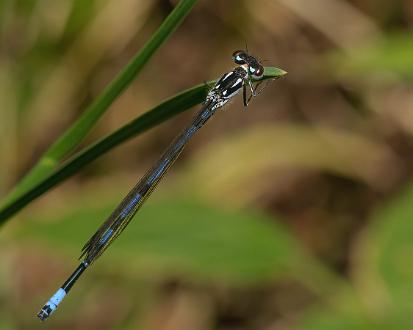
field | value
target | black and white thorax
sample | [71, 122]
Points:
[240, 77]
[227, 86]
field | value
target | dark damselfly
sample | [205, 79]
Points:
[244, 76]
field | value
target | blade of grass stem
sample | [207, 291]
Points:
[155, 116]
[83, 125]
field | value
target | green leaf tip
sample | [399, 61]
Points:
[273, 72]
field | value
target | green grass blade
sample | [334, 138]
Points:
[77, 132]
[157, 115]
[271, 72]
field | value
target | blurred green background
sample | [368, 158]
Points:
[295, 214]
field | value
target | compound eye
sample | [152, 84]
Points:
[239, 57]
[256, 71]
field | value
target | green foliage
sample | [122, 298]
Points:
[387, 252]
[384, 279]
[155, 116]
[79, 16]
[76, 133]
[181, 236]
[192, 241]
[389, 57]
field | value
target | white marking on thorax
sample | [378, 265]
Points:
[228, 75]
[239, 80]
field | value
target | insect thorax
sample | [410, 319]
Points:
[227, 86]
[215, 97]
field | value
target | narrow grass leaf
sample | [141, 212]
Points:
[157, 115]
[77, 132]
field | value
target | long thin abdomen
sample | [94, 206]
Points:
[124, 213]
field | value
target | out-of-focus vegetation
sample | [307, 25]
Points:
[295, 214]
[71, 138]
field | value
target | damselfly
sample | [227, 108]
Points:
[244, 76]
